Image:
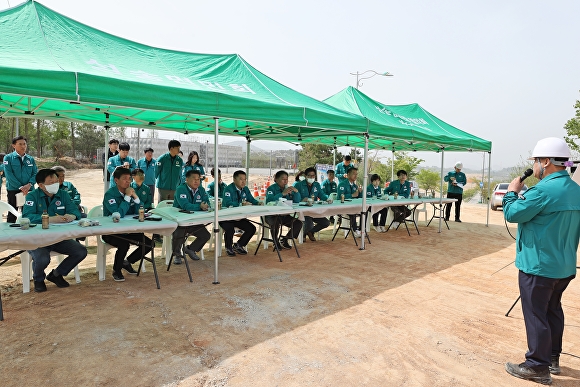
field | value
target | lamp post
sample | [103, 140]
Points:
[372, 73]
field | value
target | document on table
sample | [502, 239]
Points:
[64, 224]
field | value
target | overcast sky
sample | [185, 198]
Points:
[506, 71]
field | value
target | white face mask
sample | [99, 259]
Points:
[52, 188]
[302, 178]
[310, 180]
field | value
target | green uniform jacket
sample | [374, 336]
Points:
[149, 168]
[347, 189]
[329, 186]
[60, 204]
[233, 198]
[185, 199]
[459, 178]
[114, 201]
[548, 217]
[307, 191]
[194, 167]
[401, 189]
[221, 189]
[341, 169]
[19, 172]
[371, 190]
[144, 194]
[71, 190]
[168, 171]
[117, 161]
[274, 193]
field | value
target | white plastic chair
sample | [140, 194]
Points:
[26, 264]
[5, 207]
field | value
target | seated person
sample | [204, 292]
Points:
[69, 188]
[351, 190]
[403, 188]
[310, 188]
[121, 160]
[280, 189]
[237, 194]
[123, 199]
[142, 190]
[329, 185]
[60, 209]
[221, 187]
[298, 178]
[374, 190]
[189, 196]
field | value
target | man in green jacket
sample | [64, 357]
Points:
[456, 181]
[142, 189]
[343, 167]
[20, 171]
[281, 190]
[168, 171]
[548, 217]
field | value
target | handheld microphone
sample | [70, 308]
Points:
[526, 174]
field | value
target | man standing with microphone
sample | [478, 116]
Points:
[548, 217]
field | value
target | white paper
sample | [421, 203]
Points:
[460, 185]
[64, 224]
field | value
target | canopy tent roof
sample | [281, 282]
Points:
[416, 128]
[56, 68]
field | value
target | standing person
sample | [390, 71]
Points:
[456, 180]
[193, 164]
[147, 165]
[190, 197]
[1, 172]
[112, 151]
[141, 189]
[237, 194]
[403, 188]
[221, 185]
[168, 171]
[374, 189]
[123, 199]
[310, 188]
[121, 160]
[281, 190]
[329, 185]
[343, 167]
[61, 209]
[548, 217]
[20, 171]
[351, 190]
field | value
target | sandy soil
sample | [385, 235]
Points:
[424, 310]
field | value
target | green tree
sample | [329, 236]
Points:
[312, 154]
[573, 129]
[93, 137]
[428, 180]
[405, 162]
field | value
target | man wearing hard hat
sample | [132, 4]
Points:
[548, 217]
[456, 181]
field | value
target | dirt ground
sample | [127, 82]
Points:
[424, 310]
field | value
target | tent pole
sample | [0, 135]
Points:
[248, 141]
[17, 129]
[216, 225]
[441, 189]
[363, 224]
[334, 158]
[488, 185]
[393, 166]
[107, 127]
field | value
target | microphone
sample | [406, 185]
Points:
[526, 174]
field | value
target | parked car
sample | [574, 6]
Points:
[498, 193]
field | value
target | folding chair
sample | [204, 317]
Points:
[267, 236]
[348, 229]
[409, 219]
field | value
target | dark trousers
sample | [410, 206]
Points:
[353, 223]
[543, 317]
[383, 213]
[459, 197]
[198, 231]
[314, 225]
[294, 225]
[244, 225]
[123, 245]
[74, 251]
[12, 201]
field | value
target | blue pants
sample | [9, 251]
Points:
[543, 317]
[41, 258]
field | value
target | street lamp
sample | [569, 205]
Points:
[372, 72]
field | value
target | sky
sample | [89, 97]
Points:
[505, 71]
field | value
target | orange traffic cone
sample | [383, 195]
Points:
[256, 193]
[268, 182]
[263, 192]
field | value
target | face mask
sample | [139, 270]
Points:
[52, 188]
[302, 178]
[310, 180]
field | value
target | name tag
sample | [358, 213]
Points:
[60, 208]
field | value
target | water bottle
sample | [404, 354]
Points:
[45, 220]
[141, 213]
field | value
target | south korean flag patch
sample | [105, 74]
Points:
[29, 203]
[112, 201]
[183, 196]
[227, 194]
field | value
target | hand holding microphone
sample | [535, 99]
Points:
[518, 183]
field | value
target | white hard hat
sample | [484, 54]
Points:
[551, 147]
[459, 165]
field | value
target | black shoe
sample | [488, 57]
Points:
[81, 239]
[117, 276]
[127, 266]
[177, 259]
[524, 372]
[39, 286]
[555, 366]
[57, 280]
[311, 236]
[239, 249]
[190, 253]
[284, 243]
[157, 238]
[277, 246]
[457, 220]
[230, 252]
